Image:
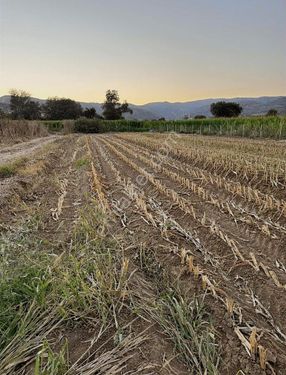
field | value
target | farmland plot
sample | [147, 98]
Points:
[162, 254]
[215, 211]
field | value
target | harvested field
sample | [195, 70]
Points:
[146, 254]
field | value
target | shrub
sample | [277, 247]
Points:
[84, 125]
[272, 112]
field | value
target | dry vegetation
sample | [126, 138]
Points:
[149, 254]
[12, 131]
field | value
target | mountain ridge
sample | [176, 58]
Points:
[177, 110]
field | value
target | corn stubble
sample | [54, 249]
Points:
[124, 147]
[89, 282]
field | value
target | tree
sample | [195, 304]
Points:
[62, 109]
[22, 107]
[112, 108]
[91, 113]
[32, 111]
[272, 112]
[226, 109]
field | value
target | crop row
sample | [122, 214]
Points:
[215, 177]
[264, 202]
[201, 217]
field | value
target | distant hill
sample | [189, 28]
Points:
[173, 111]
[251, 107]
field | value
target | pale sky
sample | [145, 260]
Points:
[149, 50]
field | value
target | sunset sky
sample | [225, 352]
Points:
[149, 50]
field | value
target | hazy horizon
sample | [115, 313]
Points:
[164, 51]
[159, 101]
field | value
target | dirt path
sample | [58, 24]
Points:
[24, 149]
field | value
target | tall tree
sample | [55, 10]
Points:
[62, 109]
[226, 109]
[22, 107]
[112, 108]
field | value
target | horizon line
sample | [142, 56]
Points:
[162, 101]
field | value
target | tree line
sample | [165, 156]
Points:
[23, 107]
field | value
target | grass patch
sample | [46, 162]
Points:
[40, 290]
[188, 325]
[49, 362]
[10, 169]
[7, 170]
[81, 162]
